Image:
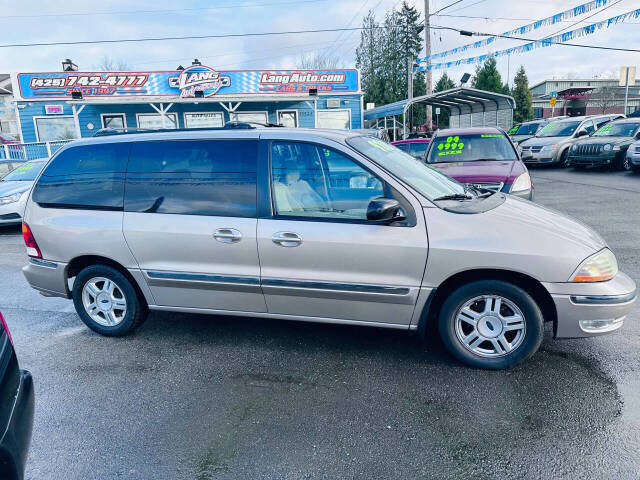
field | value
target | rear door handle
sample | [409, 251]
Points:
[286, 239]
[227, 235]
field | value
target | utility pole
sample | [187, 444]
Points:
[427, 51]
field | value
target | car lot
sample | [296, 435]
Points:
[200, 397]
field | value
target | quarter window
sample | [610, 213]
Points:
[313, 181]
[89, 176]
[193, 177]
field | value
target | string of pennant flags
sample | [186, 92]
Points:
[544, 22]
[544, 42]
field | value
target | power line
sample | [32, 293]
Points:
[483, 34]
[171, 10]
[445, 7]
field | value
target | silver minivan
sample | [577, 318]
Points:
[311, 225]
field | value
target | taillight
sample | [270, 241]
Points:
[6, 328]
[29, 240]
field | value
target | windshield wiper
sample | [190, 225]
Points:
[454, 196]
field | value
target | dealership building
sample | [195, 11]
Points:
[55, 106]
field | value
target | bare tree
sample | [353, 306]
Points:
[605, 97]
[322, 60]
[109, 64]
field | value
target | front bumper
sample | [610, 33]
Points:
[591, 160]
[589, 309]
[11, 214]
[539, 158]
[14, 445]
[635, 159]
[48, 277]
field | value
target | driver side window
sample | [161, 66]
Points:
[313, 181]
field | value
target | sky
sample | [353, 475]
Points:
[73, 20]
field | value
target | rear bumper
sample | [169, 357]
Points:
[48, 277]
[586, 310]
[14, 445]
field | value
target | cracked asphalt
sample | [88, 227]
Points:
[203, 397]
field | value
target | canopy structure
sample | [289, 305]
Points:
[467, 107]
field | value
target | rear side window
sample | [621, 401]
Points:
[89, 176]
[193, 177]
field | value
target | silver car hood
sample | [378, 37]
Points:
[544, 141]
[9, 188]
[518, 236]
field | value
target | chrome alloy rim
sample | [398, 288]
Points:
[490, 326]
[104, 301]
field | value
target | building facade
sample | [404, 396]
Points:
[575, 97]
[8, 116]
[64, 105]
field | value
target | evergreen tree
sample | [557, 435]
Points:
[369, 60]
[444, 83]
[488, 77]
[522, 96]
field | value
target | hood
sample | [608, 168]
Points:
[604, 140]
[520, 138]
[544, 141]
[482, 171]
[9, 188]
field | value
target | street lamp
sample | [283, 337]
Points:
[465, 78]
[196, 62]
[69, 66]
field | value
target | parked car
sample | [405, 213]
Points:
[16, 410]
[379, 133]
[526, 130]
[6, 165]
[480, 157]
[607, 146]
[14, 189]
[633, 155]
[311, 225]
[416, 147]
[551, 144]
[6, 139]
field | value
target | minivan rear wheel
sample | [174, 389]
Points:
[107, 302]
[491, 324]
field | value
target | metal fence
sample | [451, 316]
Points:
[30, 151]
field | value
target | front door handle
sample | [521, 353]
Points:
[227, 235]
[286, 239]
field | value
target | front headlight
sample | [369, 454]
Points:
[574, 146]
[548, 148]
[607, 147]
[617, 148]
[523, 182]
[599, 267]
[10, 198]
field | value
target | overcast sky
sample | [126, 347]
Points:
[73, 20]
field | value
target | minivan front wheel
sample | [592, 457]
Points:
[491, 324]
[107, 302]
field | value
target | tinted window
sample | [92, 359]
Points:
[312, 181]
[90, 176]
[193, 177]
[471, 148]
[622, 129]
[588, 126]
[527, 129]
[559, 129]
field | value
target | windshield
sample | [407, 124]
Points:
[623, 129]
[417, 149]
[425, 179]
[471, 148]
[24, 173]
[559, 129]
[527, 129]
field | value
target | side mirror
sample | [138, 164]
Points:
[385, 210]
[583, 133]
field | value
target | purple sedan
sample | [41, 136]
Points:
[481, 157]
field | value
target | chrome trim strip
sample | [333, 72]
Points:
[603, 299]
[43, 263]
[339, 287]
[202, 277]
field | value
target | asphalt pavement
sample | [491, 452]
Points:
[204, 397]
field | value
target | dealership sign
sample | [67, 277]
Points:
[185, 83]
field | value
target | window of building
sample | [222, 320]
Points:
[152, 121]
[116, 121]
[203, 120]
[288, 118]
[313, 181]
[336, 119]
[54, 128]
[255, 117]
[193, 177]
[90, 176]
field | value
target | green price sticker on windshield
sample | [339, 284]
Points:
[491, 135]
[606, 128]
[25, 167]
[453, 146]
[385, 147]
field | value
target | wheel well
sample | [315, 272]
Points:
[529, 284]
[78, 264]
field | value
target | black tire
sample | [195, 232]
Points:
[623, 163]
[136, 308]
[533, 321]
[564, 159]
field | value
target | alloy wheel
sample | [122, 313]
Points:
[490, 326]
[104, 301]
